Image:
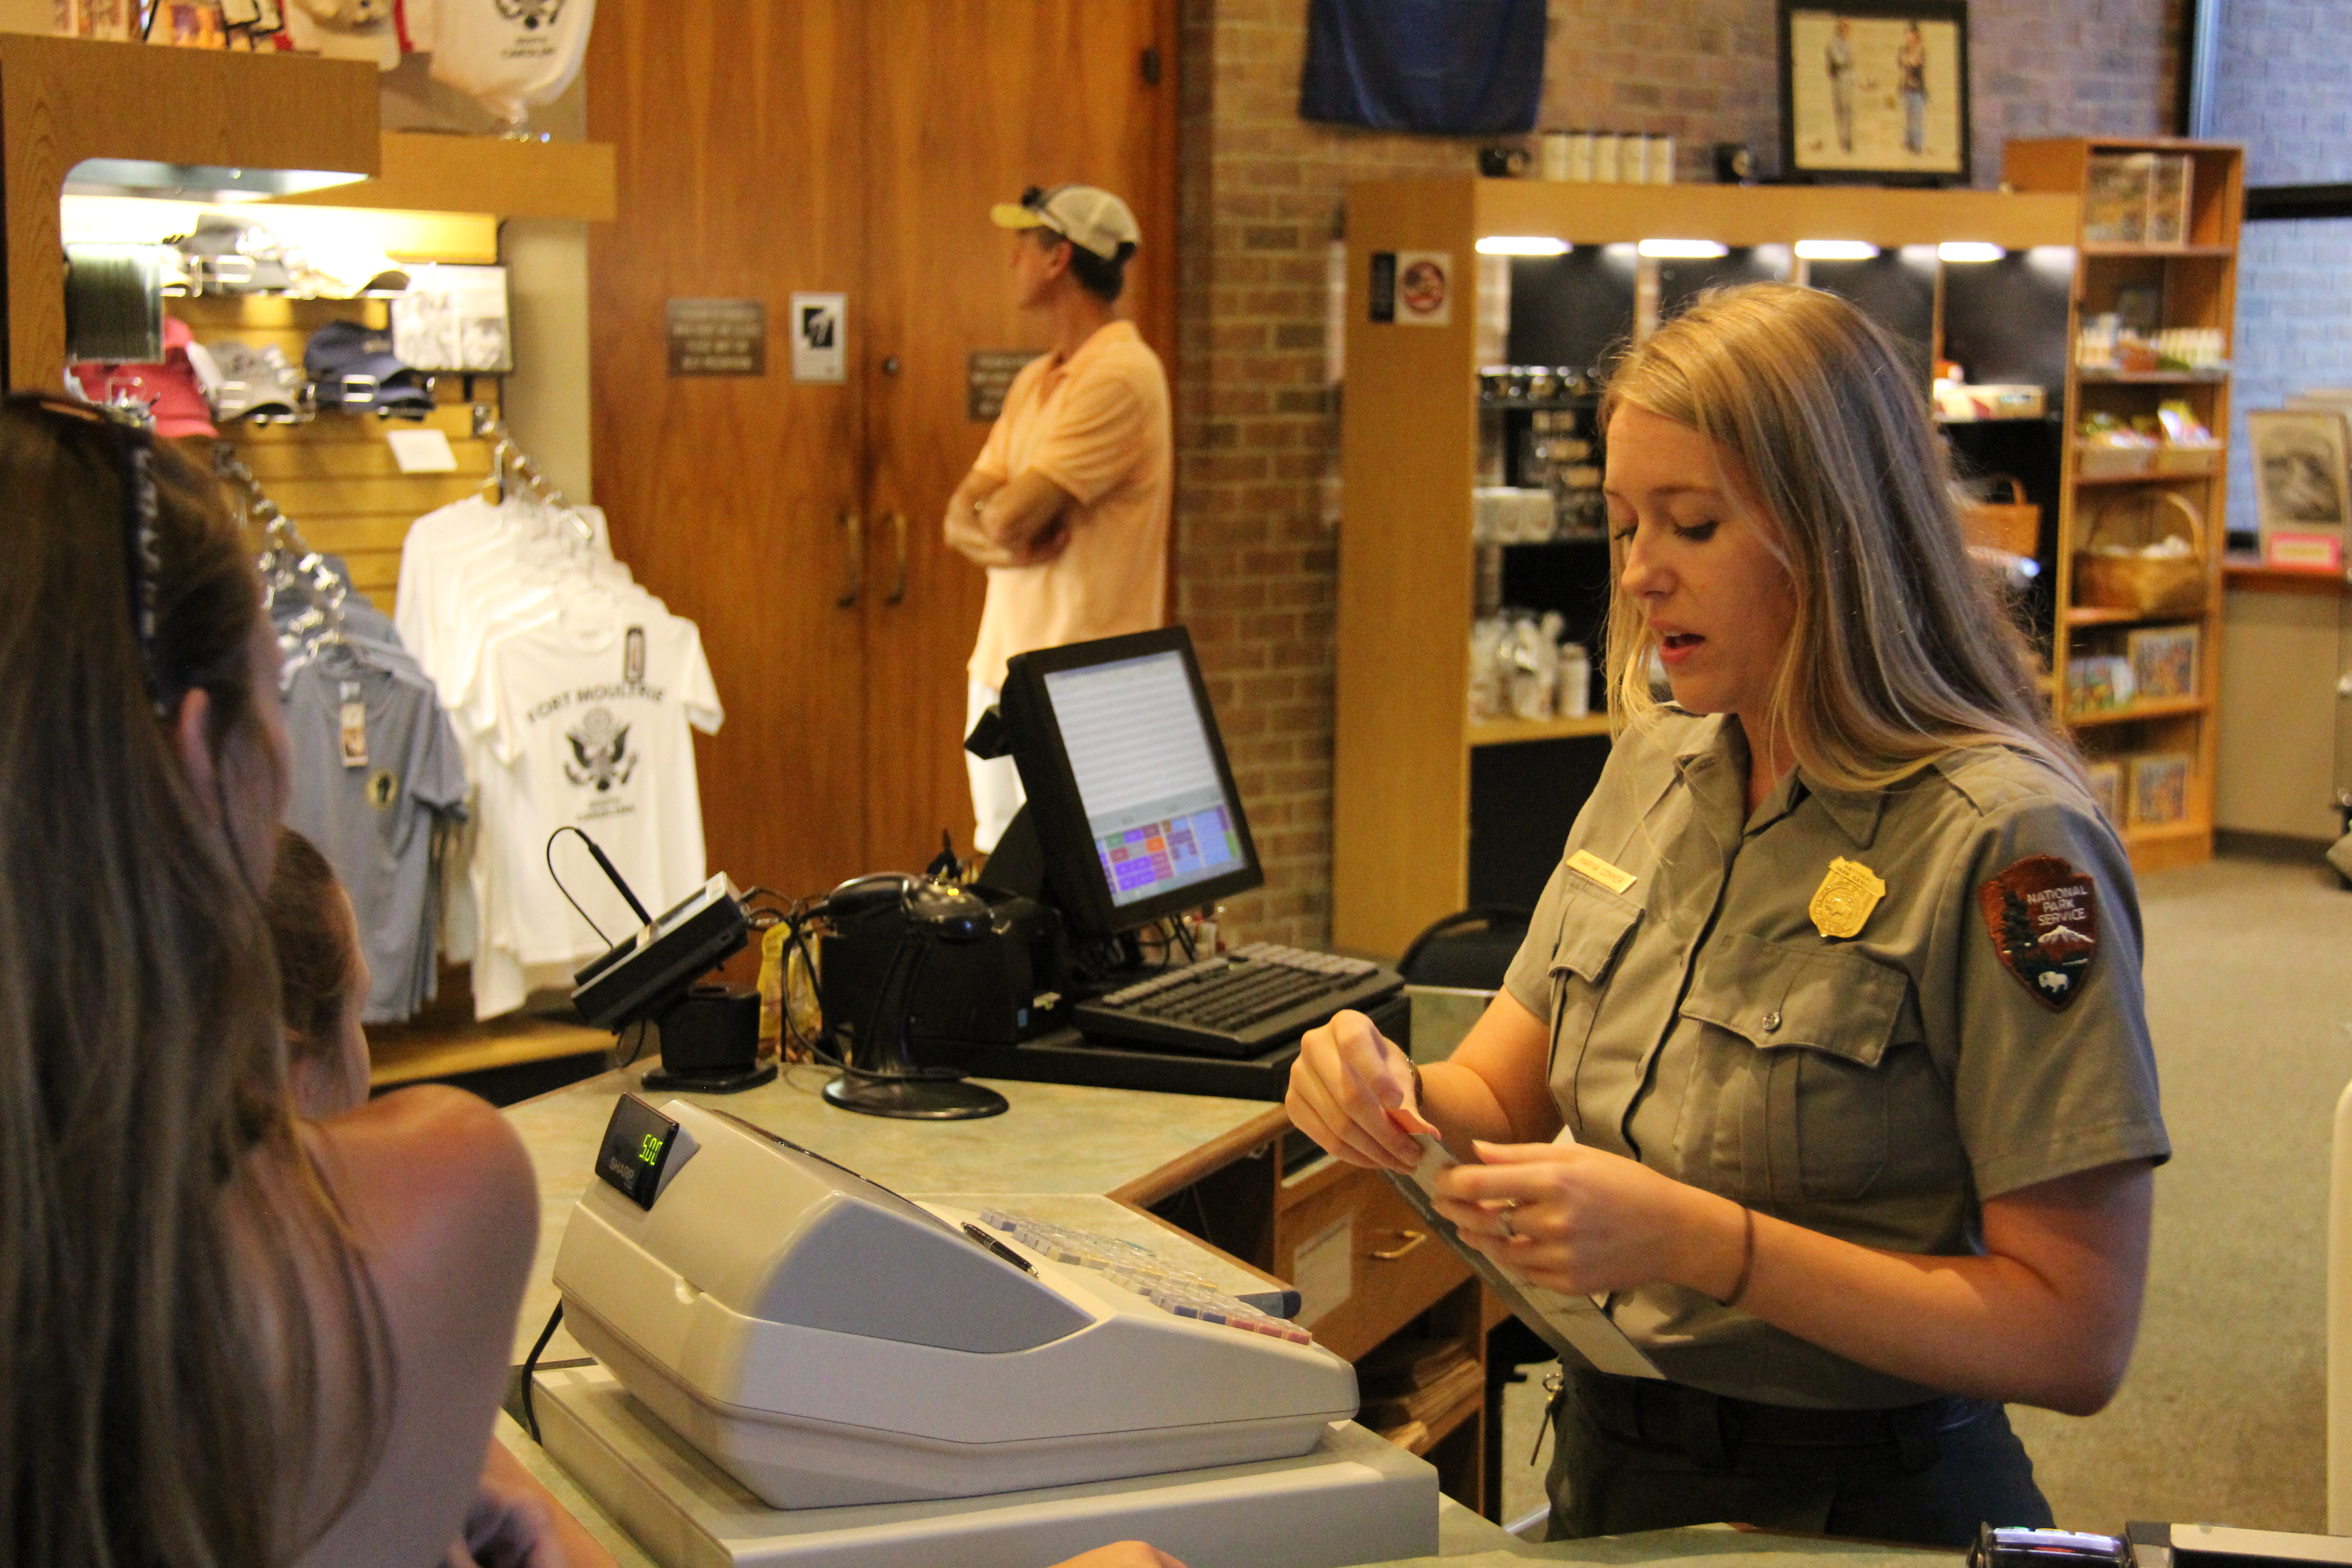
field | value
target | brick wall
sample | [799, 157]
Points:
[2293, 108]
[2291, 104]
[1259, 197]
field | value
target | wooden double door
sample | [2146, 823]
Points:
[769, 147]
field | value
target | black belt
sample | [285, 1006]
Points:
[1710, 1428]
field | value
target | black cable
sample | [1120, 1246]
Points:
[530, 1367]
[559, 887]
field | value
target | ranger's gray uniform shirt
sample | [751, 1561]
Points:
[1877, 1088]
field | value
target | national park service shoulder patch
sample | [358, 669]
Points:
[2043, 918]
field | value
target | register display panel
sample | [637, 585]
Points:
[1156, 809]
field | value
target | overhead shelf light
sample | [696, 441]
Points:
[1523, 245]
[1683, 249]
[196, 182]
[1837, 250]
[1969, 250]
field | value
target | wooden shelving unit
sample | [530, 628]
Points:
[2198, 285]
[1406, 746]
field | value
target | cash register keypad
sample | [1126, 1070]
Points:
[1138, 1268]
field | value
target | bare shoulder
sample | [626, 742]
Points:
[430, 1151]
[440, 1199]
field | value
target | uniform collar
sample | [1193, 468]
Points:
[1717, 742]
[1856, 811]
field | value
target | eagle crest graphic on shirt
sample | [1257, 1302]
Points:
[531, 14]
[602, 748]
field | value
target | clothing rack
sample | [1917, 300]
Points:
[287, 559]
[512, 466]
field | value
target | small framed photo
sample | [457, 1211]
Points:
[2159, 788]
[2164, 661]
[1874, 92]
[2106, 780]
[2302, 479]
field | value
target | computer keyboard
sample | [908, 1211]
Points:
[1241, 1003]
[1163, 1284]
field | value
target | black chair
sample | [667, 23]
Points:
[1469, 950]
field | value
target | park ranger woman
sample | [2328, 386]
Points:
[1824, 1057]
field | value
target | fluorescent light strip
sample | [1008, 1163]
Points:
[1683, 249]
[1969, 250]
[1523, 245]
[1837, 249]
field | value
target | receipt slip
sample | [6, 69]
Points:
[1575, 1326]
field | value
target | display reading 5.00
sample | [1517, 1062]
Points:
[637, 1145]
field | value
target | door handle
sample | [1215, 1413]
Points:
[853, 581]
[898, 580]
[1408, 1242]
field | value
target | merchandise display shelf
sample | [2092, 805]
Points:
[2152, 377]
[1510, 731]
[2105, 615]
[2151, 477]
[2161, 252]
[2250, 573]
[2162, 287]
[2134, 712]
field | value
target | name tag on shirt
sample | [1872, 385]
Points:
[1593, 869]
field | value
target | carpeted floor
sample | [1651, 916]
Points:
[2221, 1420]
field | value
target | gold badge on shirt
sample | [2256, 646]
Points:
[1842, 904]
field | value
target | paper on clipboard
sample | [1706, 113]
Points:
[1573, 1325]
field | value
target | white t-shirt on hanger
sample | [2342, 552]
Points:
[588, 711]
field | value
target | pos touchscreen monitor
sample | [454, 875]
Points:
[1132, 802]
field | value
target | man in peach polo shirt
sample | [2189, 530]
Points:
[1068, 504]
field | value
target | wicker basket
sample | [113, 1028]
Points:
[2013, 527]
[2147, 586]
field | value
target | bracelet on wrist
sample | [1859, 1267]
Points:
[1746, 1256]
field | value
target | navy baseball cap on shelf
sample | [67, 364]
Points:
[352, 369]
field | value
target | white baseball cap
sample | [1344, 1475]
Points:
[1089, 218]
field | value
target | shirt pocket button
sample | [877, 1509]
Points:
[1771, 1022]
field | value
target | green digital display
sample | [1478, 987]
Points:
[637, 1146]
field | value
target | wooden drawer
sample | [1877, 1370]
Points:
[1395, 1269]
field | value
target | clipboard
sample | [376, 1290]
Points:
[1575, 1326]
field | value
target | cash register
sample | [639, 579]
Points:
[799, 1365]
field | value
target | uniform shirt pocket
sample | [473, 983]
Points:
[1794, 1098]
[1594, 926]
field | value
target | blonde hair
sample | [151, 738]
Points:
[1899, 650]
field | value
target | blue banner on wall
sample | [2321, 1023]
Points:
[1462, 67]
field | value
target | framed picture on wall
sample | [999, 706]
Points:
[2302, 484]
[1874, 92]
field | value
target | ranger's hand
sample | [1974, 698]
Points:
[1351, 1090]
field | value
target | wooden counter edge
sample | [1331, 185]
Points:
[1196, 1163]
